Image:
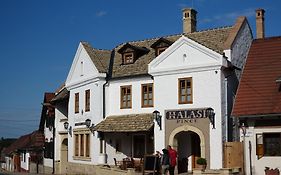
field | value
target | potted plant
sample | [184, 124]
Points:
[202, 163]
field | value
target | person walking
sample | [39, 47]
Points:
[173, 159]
[165, 161]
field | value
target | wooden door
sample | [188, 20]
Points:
[233, 154]
[195, 148]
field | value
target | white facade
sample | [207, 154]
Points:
[84, 76]
[214, 84]
[25, 161]
[258, 164]
[61, 139]
[186, 58]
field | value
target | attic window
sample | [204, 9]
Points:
[128, 58]
[160, 50]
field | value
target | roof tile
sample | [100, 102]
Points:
[258, 92]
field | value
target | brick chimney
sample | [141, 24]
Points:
[189, 20]
[260, 23]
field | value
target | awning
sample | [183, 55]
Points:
[126, 123]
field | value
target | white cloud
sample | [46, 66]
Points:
[101, 13]
[222, 18]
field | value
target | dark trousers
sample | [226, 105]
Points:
[172, 170]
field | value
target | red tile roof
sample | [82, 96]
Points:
[29, 141]
[259, 93]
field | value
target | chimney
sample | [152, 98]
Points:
[189, 20]
[260, 23]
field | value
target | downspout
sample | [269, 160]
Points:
[226, 107]
[108, 76]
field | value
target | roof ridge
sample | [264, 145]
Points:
[88, 44]
[96, 56]
[173, 35]
[211, 29]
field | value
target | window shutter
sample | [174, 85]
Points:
[259, 146]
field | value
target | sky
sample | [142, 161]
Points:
[39, 38]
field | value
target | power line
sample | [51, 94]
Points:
[7, 120]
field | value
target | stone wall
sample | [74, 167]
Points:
[41, 169]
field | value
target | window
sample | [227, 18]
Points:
[126, 97]
[76, 145]
[160, 50]
[87, 100]
[87, 145]
[82, 145]
[139, 145]
[147, 95]
[128, 58]
[185, 90]
[118, 146]
[272, 144]
[76, 108]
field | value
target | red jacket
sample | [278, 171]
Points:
[173, 157]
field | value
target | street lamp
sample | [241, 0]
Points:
[158, 118]
[67, 127]
[88, 125]
[210, 113]
[243, 128]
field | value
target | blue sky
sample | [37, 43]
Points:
[39, 39]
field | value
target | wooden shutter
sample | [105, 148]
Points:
[76, 108]
[259, 146]
[76, 145]
[87, 145]
[87, 100]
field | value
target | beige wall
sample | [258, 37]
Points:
[200, 126]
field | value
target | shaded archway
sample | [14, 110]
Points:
[189, 141]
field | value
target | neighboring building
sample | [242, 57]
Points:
[26, 149]
[190, 78]
[258, 103]
[47, 127]
[60, 102]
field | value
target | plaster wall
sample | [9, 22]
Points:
[24, 163]
[258, 165]
[95, 115]
[113, 96]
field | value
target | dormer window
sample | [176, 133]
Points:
[160, 50]
[161, 45]
[128, 58]
[131, 53]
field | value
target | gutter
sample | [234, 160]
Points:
[278, 115]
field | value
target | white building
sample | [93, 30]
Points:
[60, 101]
[186, 77]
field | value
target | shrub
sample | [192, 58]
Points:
[201, 161]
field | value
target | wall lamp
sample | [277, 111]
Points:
[158, 118]
[210, 113]
[243, 128]
[88, 125]
[65, 125]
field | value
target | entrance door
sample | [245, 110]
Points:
[64, 158]
[195, 148]
[188, 150]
